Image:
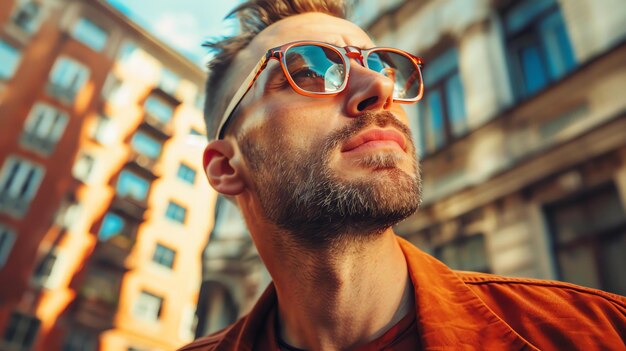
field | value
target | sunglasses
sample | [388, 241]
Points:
[318, 69]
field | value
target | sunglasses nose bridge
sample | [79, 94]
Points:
[354, 53]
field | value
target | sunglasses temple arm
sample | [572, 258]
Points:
[241, 92]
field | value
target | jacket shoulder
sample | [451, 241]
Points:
[553, 315]
[491, 281]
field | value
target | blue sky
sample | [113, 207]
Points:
[183, 24]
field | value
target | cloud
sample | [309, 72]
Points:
[180, 30]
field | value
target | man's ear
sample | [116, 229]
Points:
[222, 175]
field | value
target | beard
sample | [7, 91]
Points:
[303, 196]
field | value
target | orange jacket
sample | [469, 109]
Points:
[474, 311]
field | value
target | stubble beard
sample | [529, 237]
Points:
[301, 194]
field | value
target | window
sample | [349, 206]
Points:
[589, 239]
[19, 181]
[7, 238]
[21, 331]
[169, 81]
[27, 15]
[159, 109]
[43, 128]
[67, 77]
[44, 273]
[80, 340]
[176, 212]
[148, 306]
[133, 186]
[104, 131]
[538, 45]
[466, 253]
[186, 173]
[90, 34]
[146, 145]
[164, 256]
[10, 58]
[114, 224]
[442, 111]
[83, 167]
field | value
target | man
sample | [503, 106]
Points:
[310, 141]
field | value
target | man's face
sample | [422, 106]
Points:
[325, 169]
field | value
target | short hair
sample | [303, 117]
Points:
[253, 16]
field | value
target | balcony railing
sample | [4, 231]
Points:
[159, 128]
[95, 312]
[115, 251]
[143, 161]
[131, 207]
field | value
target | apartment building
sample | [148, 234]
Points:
[521, 136]
[103, 211]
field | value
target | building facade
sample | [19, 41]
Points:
[521, 136]
[521, 132]
[104, 213]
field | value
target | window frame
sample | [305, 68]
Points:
[8, 237]
[62, 87]
[593, 238]
[173, 210]
[439, 86]
[83, 31]
[166, 258]
[13, 65]
[43, 128]
[23, 170]
[22, 318]
[143, 302]
[186, 170]
[530, 34]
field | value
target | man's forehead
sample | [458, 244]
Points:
[307, 26]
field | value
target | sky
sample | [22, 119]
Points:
[182, 24]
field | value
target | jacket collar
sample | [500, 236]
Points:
[449, 315]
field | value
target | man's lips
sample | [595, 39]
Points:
[374, 135]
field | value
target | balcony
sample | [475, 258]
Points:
[115, 251]
[144, 164]
[160, 129]
[129, 206]
[171, 99]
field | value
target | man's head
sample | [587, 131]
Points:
[322, 169]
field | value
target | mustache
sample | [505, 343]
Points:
[368, 119]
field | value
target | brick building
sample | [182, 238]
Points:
[103, 209]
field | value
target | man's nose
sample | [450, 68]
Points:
[367, 90]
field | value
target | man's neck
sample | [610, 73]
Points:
[340, 298]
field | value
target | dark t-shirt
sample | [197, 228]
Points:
[400, 337]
